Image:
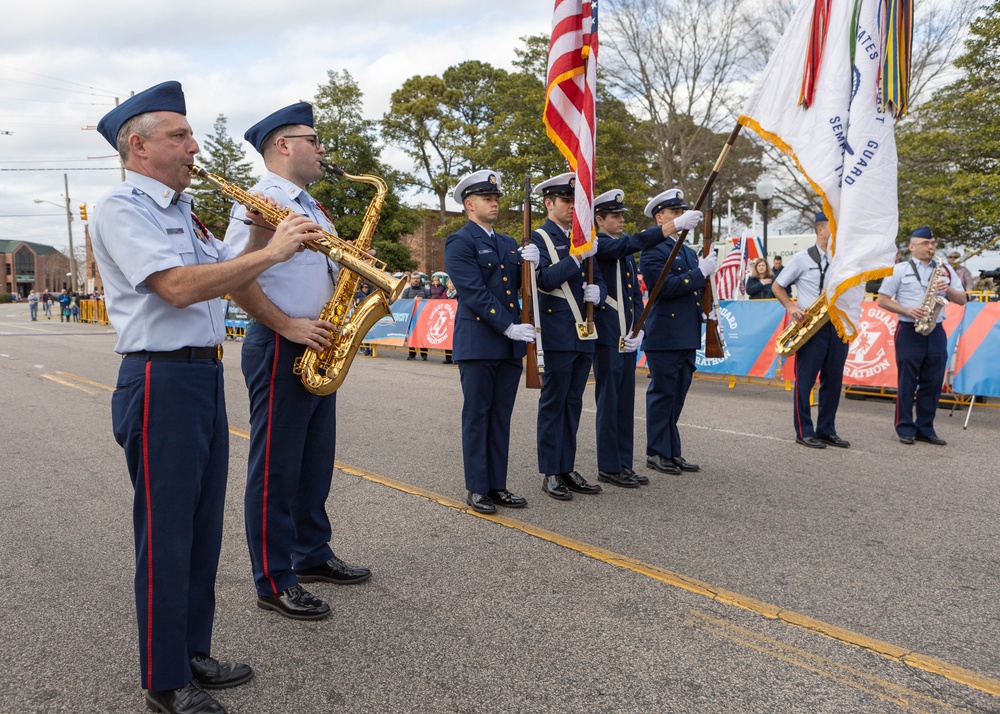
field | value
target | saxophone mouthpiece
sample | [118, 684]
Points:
[331, 168]
[198, 171]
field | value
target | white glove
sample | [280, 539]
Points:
[710, 317]
[632, 344]
[520, 333]
[583, 256]
[688, 220]
[529, 253]
[591, 293]
[708, 265]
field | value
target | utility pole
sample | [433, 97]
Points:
[69, 227]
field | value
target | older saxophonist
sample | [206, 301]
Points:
[292, 431]
[921, 359]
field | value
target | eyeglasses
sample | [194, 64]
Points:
[313, 139]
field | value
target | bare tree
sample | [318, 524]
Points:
[678, 64]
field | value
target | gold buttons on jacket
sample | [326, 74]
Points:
[508, 292]
[505, 278]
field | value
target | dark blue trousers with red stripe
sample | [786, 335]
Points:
[921, 361]
[292, 447]
[823, 355]
[170, 418]
[614, 391]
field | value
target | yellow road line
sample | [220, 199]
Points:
[889, 651]
[68, 384]
[86, 381]
[899, 695]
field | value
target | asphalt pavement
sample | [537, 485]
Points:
[779, 579]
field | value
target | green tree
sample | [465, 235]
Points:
[949, 153]
[352, 143]
[223, 156]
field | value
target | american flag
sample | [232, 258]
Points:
[729, 276]
[570, 101]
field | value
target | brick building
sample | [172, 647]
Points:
[26, 266]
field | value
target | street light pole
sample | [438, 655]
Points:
[765, 192]
[69, 227]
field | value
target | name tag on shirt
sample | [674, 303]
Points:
[175, 231]
[484, 250]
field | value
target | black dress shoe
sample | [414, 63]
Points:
[617, 479]
[553, 486]
[480, 502]
[834, 440]
[210, 673]
[811, 441]
[296, 602]
[908, 440]
[641, 478]
[932, 439]
[503, 497]
[334, 571]
[575, 482]
[186, 700]
[683, 465]
[662, 464]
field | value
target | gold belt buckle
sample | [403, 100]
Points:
[218, 351]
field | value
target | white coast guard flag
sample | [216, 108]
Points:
[823, 109]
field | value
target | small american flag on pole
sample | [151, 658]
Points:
[570, 105]
[729, 276]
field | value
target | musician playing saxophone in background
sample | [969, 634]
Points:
[824, 354]
[292, 431]
[917, 290]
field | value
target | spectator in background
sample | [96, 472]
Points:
[961, 271]
[450, 294]
[760, 280]
[64, 301]
[33, 305]
[437, 289]
[47, 304]
[363, 292]
[416, 289]
[776, 266]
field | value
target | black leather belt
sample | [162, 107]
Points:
[184, 353]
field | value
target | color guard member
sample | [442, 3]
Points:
[921, 360]
[823, 354]
[615, 356]
[163, 271]
[488, 345]
[292, 430]
[674, 333]
[562, 292]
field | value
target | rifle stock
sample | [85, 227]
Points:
[713, 340]
[532, 378]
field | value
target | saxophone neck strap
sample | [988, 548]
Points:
[932, 265]
[818, 259]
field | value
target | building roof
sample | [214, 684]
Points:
[9, 246]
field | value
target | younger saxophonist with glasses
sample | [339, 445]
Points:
[921, 359]
[292, 431]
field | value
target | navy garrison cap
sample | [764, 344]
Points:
[821, 218]
[482, 182]
[298, 113]
[562, 185]
[922, 232]
[671, 198]
[612, 201]
[165, 97]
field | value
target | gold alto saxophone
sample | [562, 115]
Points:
[323, 373]
[798, 333]
[932, 304]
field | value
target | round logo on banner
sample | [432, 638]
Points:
[868, 356]
[442, 315]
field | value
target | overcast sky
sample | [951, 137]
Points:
[62, 64]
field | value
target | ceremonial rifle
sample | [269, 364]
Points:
[532, 372]
[655, 291]
[714, 343]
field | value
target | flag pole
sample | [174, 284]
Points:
[655, 292]
[533, 368]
